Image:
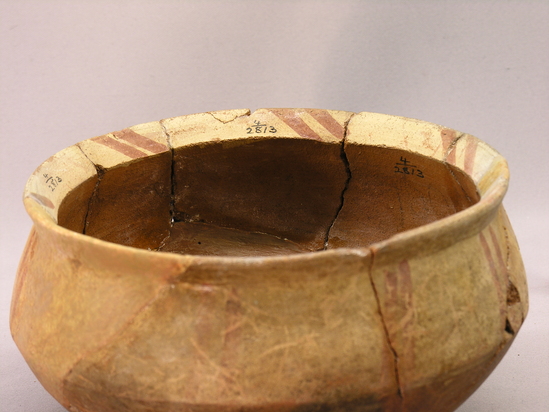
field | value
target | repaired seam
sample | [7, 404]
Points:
[385, 329]
[172, 186]
[345, 160]
[100, 172]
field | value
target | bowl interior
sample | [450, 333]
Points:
[265, 197]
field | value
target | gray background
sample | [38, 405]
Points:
[70, 70]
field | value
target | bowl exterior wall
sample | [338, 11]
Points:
[105, 332]
[414, 322]
[451, 315]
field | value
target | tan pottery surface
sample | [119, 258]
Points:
[285, 259]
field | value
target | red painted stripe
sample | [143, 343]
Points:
[391, 288]
[470, 153]
[233, 336]
[296, 123]
[328, 122]
[399, 286]
[399, 290]
[138, 140]
[493, 271]
[399, 312]
[43, 200]
[406, 278]
[451, 157]
[498, 249]
[448, 137]
[120, 147]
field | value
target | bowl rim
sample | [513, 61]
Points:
[421, 240]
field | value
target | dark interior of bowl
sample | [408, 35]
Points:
[265, 197]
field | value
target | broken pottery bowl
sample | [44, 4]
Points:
[286, 259]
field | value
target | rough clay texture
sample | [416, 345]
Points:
[412, 318]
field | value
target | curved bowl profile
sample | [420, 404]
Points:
[285, 259]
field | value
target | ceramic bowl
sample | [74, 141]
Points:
[285, 259]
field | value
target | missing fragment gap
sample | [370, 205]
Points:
[246, 113]
[513, 295]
